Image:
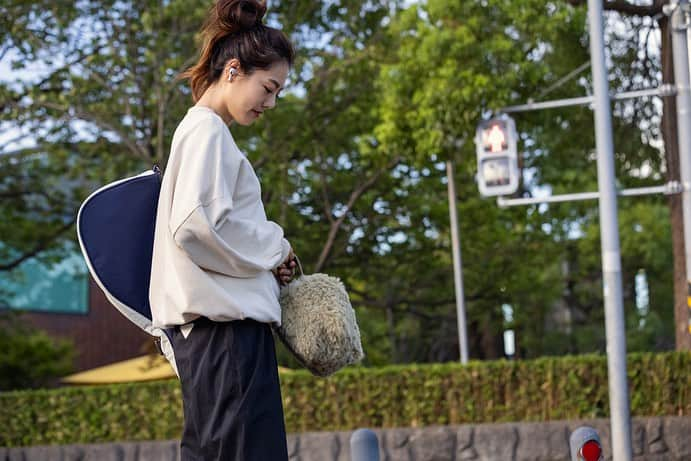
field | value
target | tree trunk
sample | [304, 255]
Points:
[491, 340]
[669, 136]
[391, 326]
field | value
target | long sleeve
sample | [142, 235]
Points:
[216, 241]
[217, 216]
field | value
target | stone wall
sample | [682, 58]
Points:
[654, 439]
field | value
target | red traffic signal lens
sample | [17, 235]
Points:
[591, 451]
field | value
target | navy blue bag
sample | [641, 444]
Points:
[115, 227]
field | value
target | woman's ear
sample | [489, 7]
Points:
[232, 69]
[232, 73]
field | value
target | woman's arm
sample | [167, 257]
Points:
[204, 222]
[231, 246]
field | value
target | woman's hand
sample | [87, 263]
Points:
[285, 272]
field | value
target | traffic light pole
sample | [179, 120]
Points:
[620, 418]
[457, 266]
[670, 188]
[680, 55]
[663, 90]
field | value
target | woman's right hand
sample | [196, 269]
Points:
[285, 272]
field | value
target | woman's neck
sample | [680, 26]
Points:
[215, 104]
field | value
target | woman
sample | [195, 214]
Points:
[217, 260]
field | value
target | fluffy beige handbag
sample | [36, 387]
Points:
[318, 323]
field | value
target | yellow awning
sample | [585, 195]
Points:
[145, 368]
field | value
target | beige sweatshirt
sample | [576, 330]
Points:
[213, 246]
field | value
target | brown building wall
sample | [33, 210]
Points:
[102, 336]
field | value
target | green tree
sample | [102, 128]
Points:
[352, 160]
[641, 158]
[30, 358]
[447, 73]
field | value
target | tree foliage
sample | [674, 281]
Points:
[352, 161]
[30, 358]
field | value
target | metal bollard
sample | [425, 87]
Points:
[364, 446]
[585, 445]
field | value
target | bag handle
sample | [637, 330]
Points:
[297, 260]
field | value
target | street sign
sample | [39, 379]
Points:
[496, 144]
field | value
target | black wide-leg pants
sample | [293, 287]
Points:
[231, 392]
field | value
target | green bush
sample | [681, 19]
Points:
[29, 358]
[415, 395]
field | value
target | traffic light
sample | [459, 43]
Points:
[497, 156]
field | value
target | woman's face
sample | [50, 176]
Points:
[246, 97]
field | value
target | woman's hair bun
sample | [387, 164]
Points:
[239, 15]
[233, 29]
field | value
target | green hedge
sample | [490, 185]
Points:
[413, 395]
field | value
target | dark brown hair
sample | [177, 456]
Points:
[234, 29]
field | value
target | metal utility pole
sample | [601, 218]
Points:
[457, 266]
[609, 233]
[680, 56]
